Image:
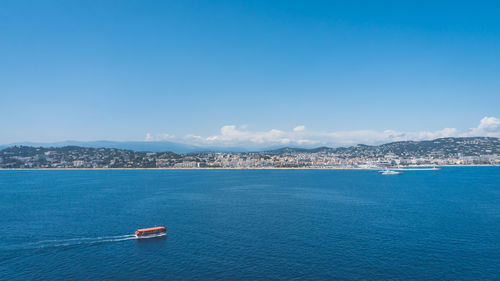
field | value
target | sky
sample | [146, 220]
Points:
[251, 73]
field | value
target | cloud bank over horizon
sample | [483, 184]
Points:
[241, 136]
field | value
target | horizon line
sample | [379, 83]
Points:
[208, 148]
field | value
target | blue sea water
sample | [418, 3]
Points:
[250, 224]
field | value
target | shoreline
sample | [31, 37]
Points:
[407, 168]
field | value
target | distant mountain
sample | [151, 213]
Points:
[471, 146]
[141, 146]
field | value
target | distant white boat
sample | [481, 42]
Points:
[389, 172]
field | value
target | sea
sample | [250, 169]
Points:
[250, 224]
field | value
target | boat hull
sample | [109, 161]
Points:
[390, 172]
[151, 232]
[151, 235]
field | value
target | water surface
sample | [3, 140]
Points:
[250, 224]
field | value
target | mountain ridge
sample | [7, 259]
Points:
[469, 145]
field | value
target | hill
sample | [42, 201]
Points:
[443, 147]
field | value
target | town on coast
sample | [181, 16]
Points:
[439, 152]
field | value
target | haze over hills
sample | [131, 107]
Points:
[238, 139]
[441, 146]
[141, 146]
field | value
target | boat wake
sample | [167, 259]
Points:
[74, 242]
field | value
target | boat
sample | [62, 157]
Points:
[151, 232]
[389, 172]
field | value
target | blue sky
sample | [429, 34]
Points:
[248, 72]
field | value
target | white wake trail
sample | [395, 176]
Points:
[84, 239]
[74, 241]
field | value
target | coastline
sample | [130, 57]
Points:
[407, 168]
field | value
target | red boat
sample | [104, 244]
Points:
[153, 231]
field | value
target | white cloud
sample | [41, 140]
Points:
[299, 128]
[488, 126]
[158, 137]
[232, 135]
